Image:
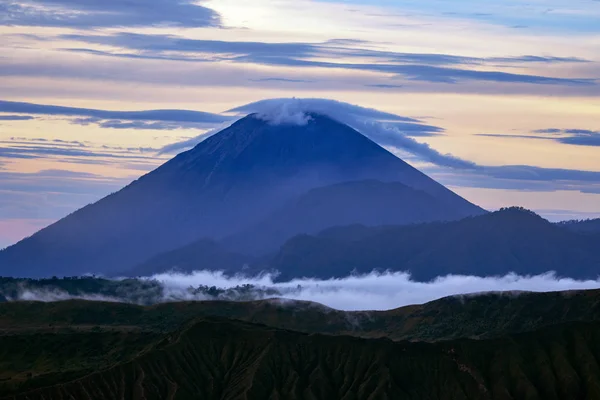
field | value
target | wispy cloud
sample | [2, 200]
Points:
[387, 131]
[16, 117]
[138, 125]
[577, 137]
[108, 13]
[433, 68]
[385, 86]
[149, 115]
[281, 80]
[44, 151]
[77, 152]
[231, 50]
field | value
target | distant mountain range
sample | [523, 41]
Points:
[253, 184]
[372, 202]
[510, 240]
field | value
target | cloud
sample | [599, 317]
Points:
[33, 152]
[138, 125]
[281, 80]
[149, 115]
[154, 44]
[397, 132]
[107, 13]
[16, 117]
[436, 68]
[49, 296]
[531, 173]
[538, 59]
[416, 130]
[77, 152]
[577, 137]
[385, 86]
[294, 111]
[371, 123]
[384, 130]
[332, 108]
[522, 178]
[361, 292]
[389, 130]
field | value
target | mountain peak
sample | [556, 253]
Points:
[225, 184]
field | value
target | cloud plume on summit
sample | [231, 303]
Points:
[384, 128]
[376, 125]
[398, 133]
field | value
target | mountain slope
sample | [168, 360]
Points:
[55, 350]
[204, 254]
[225, 184]
[469, 316]
[511, 240]
[216, 359]
[368, 202]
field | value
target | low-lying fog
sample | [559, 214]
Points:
[375, 291]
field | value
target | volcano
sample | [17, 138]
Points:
[227, 184]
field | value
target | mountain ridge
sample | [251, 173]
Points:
[494, 244]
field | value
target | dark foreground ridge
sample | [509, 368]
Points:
[528, 346]
[217, 359]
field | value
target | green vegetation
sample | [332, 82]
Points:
[493, 346]
[220, 359]
[45, 345]
[37, 359]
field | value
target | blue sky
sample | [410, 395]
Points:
[500, 100]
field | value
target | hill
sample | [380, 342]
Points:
[529, 345]
[224, 185]
[220, 359]
[510, 240]
[473, 316]
[204, 254]
[368, 202]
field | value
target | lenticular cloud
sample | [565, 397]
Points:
[376, 125]
[287, 110]
[379, 126]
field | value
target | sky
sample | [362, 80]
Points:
[498, 100]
